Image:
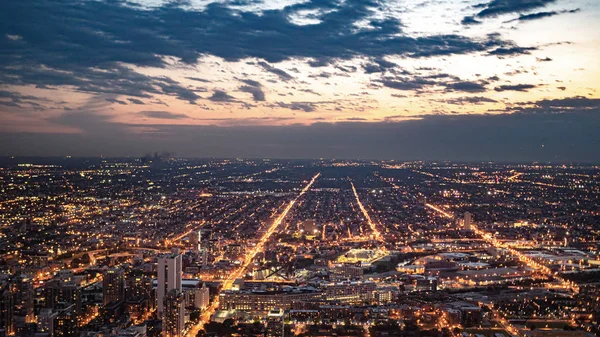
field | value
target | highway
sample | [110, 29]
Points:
[228, 282]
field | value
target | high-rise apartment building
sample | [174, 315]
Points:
[173, 318]
[113, 286]
[169, 277]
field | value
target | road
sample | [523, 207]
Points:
[372, 224]
[228, 282]
[489, 238]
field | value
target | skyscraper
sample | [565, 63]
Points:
[202, 297]
[196, 240]
[65, 324]
[468, 219]
[23, 296]
[275, 323]
[7, 309]
[173, 318]
[169, 277]
[59, 290]
[113, 286]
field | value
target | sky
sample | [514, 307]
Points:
[476, 80]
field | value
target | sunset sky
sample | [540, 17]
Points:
[413, 79]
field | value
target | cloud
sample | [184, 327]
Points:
[499, 7]
[477, 100]
[114, 100]
[198, 79]
[451, 83]
[565, 105]
[221, 96]
[541, 15]
[251, 82]
[18, 100]
[283, 75]
[515, 87]
[257, 93]
[89, 49]
[135, 101]
[163, 115]
[511, 51]
[545, 59]
[303, 106]
[116, 80]
[407, 83]
[378, 66]
[246, 121]
[466, 87]
[470, 20]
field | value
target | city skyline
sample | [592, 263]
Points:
[457, 80]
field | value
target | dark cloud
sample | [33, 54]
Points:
[323, 62]
[477, 100]
[511, 51]
[135, 101]
[198, 79]
[252, 82]
[257, 93]
[466, 87]
[283, 75]
[114, 100]
[18, 100]
[117, 80]
[378, 66]
[84, 44]
[541, 15]
[515, 87]
[407, 83]
[302, 106]
[221, 96]
[346, 68]
[545, 59]
[564, 105]
[310, 91]
[499, 7]
[451, 83]
[163, 115]
[469, 20]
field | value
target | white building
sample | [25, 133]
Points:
[202, 298]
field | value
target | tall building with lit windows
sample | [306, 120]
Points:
[275, 323]
[173, 318]
[202, 297]
[169, 278]
[113, 286]
[196, 240]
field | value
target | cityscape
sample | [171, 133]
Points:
[164, 246]
[299, 168]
